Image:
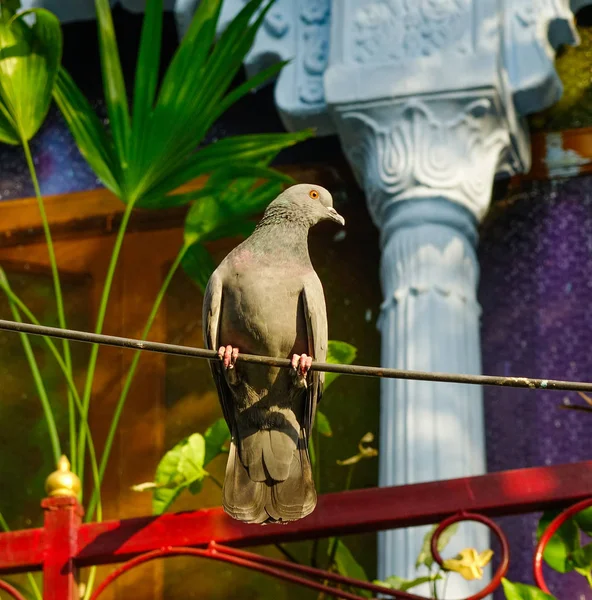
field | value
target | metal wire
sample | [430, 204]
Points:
[176, 350]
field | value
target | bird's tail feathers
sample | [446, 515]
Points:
[276, 485]
[242, 498]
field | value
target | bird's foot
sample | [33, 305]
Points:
[301, 365]
[228, 356]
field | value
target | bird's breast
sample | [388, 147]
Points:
[264, 312]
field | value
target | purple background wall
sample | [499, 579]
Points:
[536, 294]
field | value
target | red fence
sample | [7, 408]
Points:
[64, 544]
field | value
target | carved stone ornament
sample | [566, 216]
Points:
[412, 47]
[449, 146]
[405, 29]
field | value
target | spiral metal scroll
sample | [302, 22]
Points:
[262, 564]
[501, 536]
[305, 576]
[6, 587]
[555, 524]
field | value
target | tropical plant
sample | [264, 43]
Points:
[29, 60]
[143, 156]
[564, 552]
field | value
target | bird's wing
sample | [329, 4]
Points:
[211, 316]
[315, 313]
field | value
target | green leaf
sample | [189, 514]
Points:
[27, 592]
[191, 54]
[425, 555]
[192, 457]
[192, 93]
[146, 77]
[218, 185]
[209, 220]
[30, 57]
[446, 536]
[187, 69]
[180, 467]
[203, 218]
[175, 125]
[582, 557]
[196, 486]
[113, 83]
[163, 498]
[584, 520]
[585, 572]
[216, 436]
[147, 157]
[204, 93]
[565, 541]
[338, 353]
[398, 583]
[251, 84]
[88, 132]
[173, 200]
[323, 425]
[228, 153]
[198, 264]
[347, 565]
[520, 591]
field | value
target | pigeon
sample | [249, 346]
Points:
[265, 298]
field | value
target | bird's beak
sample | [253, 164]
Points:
[335, 216]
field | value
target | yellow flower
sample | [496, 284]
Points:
[469, 563]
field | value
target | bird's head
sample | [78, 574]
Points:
[309, 202]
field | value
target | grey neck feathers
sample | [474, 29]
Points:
[282, 232]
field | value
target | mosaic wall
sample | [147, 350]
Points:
[536, 292]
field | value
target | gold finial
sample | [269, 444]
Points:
[62, 482]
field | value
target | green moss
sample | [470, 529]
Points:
[574, 66]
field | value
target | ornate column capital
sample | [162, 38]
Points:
[447, 144]
[352, 51]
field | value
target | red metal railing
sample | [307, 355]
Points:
[64, 544]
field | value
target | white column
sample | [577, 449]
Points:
[427, 166]
[429, 321]
[426, 111]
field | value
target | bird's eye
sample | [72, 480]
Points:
[313, 194]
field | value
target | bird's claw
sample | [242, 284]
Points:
[301, 364]
[228, 356]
